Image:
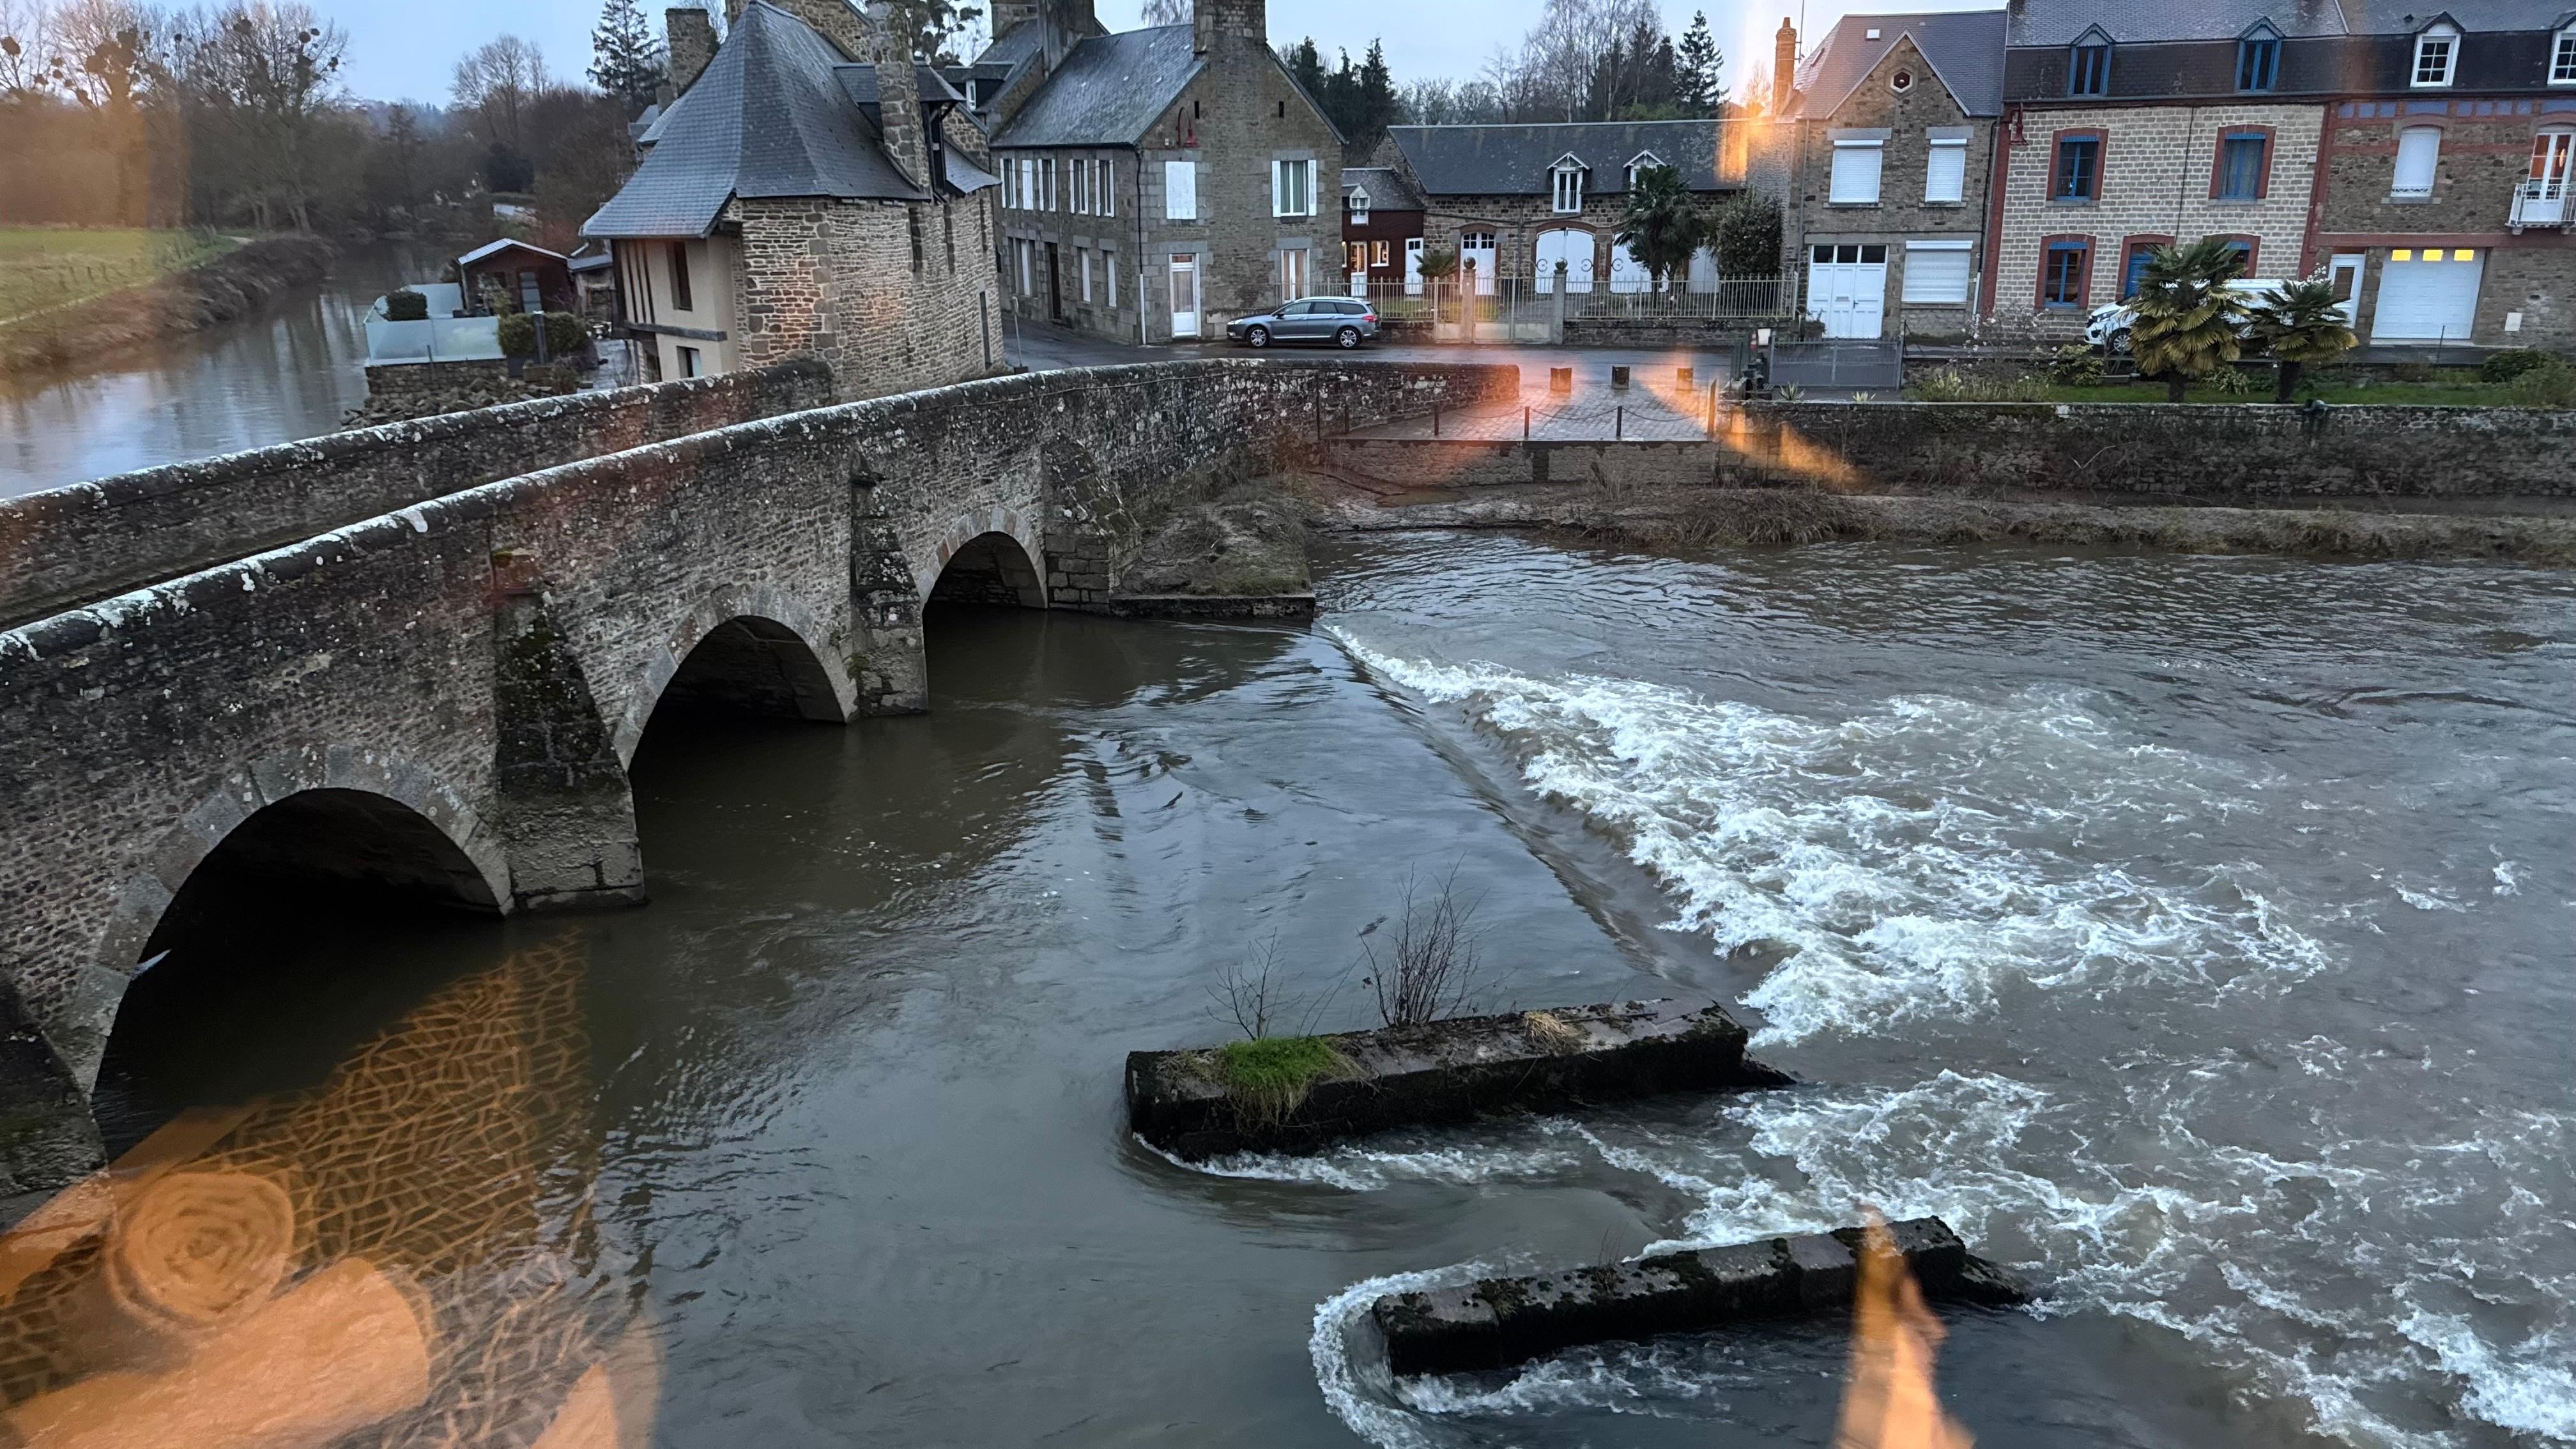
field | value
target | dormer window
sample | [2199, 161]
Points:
[2088, 64]
[2258, 58]
[2562, 57]
[2437, 54]
[1640, 164]
[1358, 205]
[1569, 184]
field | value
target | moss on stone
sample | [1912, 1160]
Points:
[1268, 1077]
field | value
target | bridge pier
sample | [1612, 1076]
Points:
[565, 813]
[886, 656]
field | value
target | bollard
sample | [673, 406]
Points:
[1525, 415]
[1619, 427]
[1619, 376]
[1435, 420]
[1560, 379]
[1685, 377]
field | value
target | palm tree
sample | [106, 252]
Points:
[2189, 320]
[2301, 323]
[1438, 265]
[1662, 227]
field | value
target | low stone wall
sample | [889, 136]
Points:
[93, 540]
[1647, 332]
[2191, 451]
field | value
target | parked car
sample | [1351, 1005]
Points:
[1342, 321]
[2108, 327]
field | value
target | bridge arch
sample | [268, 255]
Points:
[755, 648]
[990, 556]
[337, 815]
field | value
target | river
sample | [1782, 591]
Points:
[2191, 933]
[290, 370]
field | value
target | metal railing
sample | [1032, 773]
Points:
[1521, 307]
[2538, 203]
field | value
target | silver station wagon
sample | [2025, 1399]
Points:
[1342, 321]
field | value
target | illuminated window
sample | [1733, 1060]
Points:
[2402, 254]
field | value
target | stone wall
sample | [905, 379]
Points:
[2200, 453]
[889, 294]
[488, 660]
[72, 545]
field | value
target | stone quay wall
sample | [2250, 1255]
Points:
[482, 665]
[86, 542]
[2187, 452]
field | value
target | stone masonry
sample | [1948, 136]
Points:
[890, 295]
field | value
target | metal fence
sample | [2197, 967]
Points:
[1507, 309]
[1843, 364]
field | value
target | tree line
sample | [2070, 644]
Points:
[122, 113]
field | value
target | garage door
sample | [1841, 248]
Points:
[2427, 296]
[1847, 289]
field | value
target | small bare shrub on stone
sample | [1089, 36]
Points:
[1433, 967]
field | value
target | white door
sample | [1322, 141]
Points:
[2344, 274]
[1703, 270]
[1185, 296]
[1574, 249]
[1627, 274]
[1847, 289]
[2543, 200]
[2430, 296]
[1413, 266]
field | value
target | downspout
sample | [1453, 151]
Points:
[1136, 209]
[2007, 134]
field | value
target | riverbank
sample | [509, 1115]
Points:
[232, 285]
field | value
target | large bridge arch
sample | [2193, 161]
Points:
[991, 555]
[338, 813]
[755, 646]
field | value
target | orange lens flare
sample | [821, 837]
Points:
[1890, 1403]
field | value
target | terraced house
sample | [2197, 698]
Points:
[806, 196]
[1158, 182]
[1889, 141]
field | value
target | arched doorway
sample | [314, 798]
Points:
[1574, 249]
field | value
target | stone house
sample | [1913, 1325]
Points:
[2131, 127]
[2441, 209]
[801, 197]
[1156, 183]
[1516, 199]
[1888, 141]
[1382, 220]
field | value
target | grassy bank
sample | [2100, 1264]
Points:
[47, 267]
[233, 283]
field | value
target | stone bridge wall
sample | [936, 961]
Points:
[86, 542]
[488, 659]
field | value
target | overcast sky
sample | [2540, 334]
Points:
[406, 51]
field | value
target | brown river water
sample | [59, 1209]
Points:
[2191, 933]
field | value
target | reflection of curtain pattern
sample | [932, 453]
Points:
[454, 1147]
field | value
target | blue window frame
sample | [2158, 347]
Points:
[2088, 69]
[2135, 272]
[2062, 273]
[2258, 61]
[2243, 252]
[2077, 174]
[2241, 161]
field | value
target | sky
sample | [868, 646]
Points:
[405, 51]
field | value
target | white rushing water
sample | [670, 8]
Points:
[2084, 937]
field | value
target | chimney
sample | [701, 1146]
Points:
[1213, 21]
[1010, 15]
[692, 33]
[892, 27]
[1784, 67]
[833, 20]
[1067, 23]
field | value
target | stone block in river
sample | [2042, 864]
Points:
[1446, 1072]
[1498, 1322]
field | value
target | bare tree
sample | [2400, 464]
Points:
[1254, 996]
[497, 84]
[1167, 12]
[26, 46]
[1433, 968]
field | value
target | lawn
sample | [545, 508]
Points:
[2389, 394]
[46, 267]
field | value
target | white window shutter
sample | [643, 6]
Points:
[1945, 174]
[1855, 179]
[1180, 190]
[1936, 273]
[2419, 149]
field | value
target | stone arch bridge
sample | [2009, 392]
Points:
[417, 657]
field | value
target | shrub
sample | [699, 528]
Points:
[1949, 384]
[564, 334]
[1433, 966]
[2507, 365]
[2231, 382]
[2551, 384]
[518, 335]
[2076, 365]
[2413, 372]
[1268, 1077]
[1745, 237]
[405, 305]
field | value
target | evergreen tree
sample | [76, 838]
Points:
[628, 59]
[1375, 105]
[1702, 66]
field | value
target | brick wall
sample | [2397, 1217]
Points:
[2154, 182]
[890, 295]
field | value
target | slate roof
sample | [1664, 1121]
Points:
[1515, 160]
[769, 118]
[1108, 92]
[2058, 22]
[2405, 17]
[1387, 188]
[1965, 48]
[495, 248]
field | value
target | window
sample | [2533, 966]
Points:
[1855, 178]
[2419, 149]
[1084, 254]
[1569, 185]
[2065, 267]
[2258, 59]
[1109, 264]
[2242, 248]
[1021, 246]
[1945, 172]
[2562, 58]
[1082, 186]
[1292, 188]
[682, 300]
[690, 365]
[2243, 170]
[2437, 51]
[1046, 176]
[1936, 273]
[1384, 256]
[2133, 262]
[2088, 66]
[1359, 256]
[1358, 206]
[1180, 191]
[1292, 271]
[1640, 164]
[2076, 174]
[912, 219]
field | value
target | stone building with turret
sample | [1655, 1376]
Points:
[801, 195]
[1156, 183]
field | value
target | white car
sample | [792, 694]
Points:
[2108, 327]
